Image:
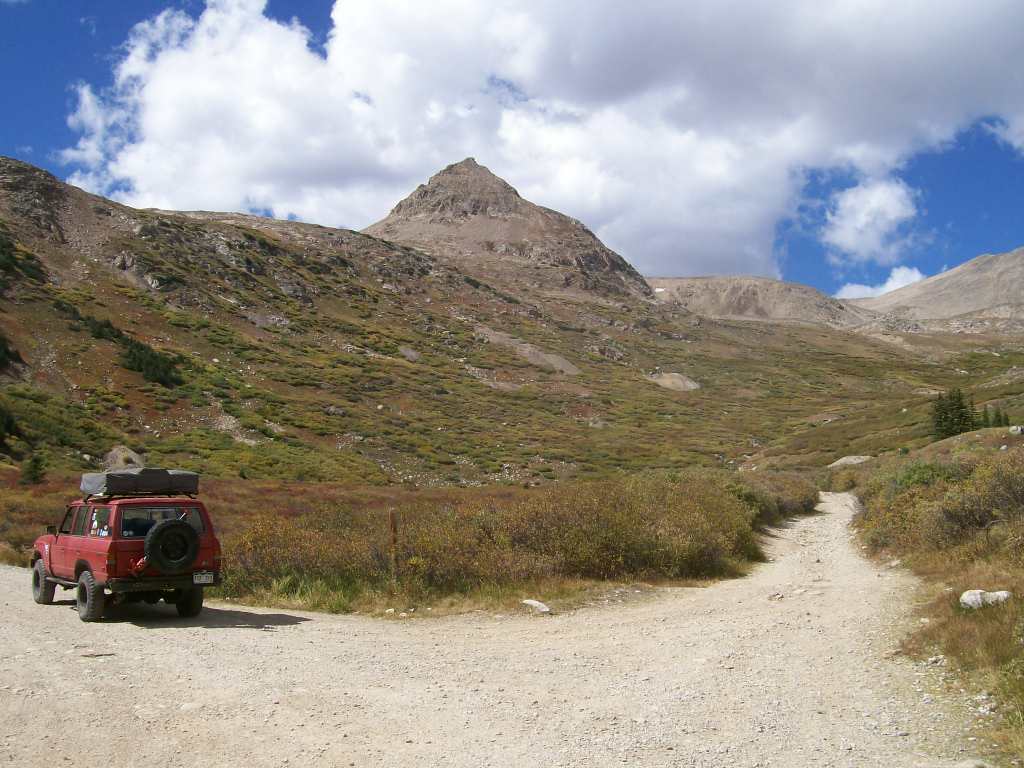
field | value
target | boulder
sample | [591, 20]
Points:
[978, 598]
[847, 461]
[676, 382]
[122, 457]
[537, 606]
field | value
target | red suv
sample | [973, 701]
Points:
[137, 546]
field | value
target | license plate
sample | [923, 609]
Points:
[202, 578]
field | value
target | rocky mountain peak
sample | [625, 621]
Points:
[479, 221]
[459, 191]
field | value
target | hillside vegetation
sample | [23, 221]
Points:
[247, 347]
[956, 516]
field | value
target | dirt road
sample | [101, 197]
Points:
[723, 676]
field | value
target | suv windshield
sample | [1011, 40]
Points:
[136, 521]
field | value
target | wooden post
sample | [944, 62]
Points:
[393, 525]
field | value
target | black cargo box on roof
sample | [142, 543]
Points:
[140, 482]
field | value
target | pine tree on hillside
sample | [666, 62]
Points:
[33, 469]
[940, 417]
[986, 422]
[952, 414]
[962, 417]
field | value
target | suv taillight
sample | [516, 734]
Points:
[111, 561]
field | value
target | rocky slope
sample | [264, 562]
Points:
[757, 298]
[468, 214]
[987, 291]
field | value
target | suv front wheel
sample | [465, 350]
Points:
[190, 604]
[89, 597]
[42, 590]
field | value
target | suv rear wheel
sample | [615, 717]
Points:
[42, 590]
[89, 597]
[190, 604]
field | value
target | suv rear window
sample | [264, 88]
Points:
[136, 521]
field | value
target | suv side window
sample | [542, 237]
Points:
[69, 518]
[80, 515]
[99, 521]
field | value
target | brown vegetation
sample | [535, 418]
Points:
[328, 547]
[960, 524]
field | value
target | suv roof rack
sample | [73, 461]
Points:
[112, 496]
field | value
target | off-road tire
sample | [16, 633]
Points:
[172, 546]
[42, 590]
[190, 604]
[90, 598]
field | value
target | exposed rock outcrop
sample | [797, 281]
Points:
[480, 221]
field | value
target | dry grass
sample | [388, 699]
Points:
[327, 547]
[960, 524]
[646, 527]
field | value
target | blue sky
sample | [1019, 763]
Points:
[969, 203]
[683, 163]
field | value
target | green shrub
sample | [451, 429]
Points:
[154, 366]
[15, 263]
[33, 469]
[8, 354]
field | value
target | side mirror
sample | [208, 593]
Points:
[52, 530]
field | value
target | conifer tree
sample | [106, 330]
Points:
[33, 469]
[953, 414]
[986, 422]
[940, 417]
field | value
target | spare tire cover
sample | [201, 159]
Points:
[172, 546]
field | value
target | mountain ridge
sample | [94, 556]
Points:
[757, 298]
[990, 286]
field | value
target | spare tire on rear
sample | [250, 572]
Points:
[172, 546]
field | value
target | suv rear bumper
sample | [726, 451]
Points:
[157, 583]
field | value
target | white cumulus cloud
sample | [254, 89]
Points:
[865, 222]
[899, 277]
[681, 132]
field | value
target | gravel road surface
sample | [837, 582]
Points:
[791, 666]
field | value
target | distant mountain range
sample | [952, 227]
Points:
[757, 298]
[984, 294]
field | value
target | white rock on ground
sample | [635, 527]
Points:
[977, 598]
[847, 461]
[677, 382]
[537, 605]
